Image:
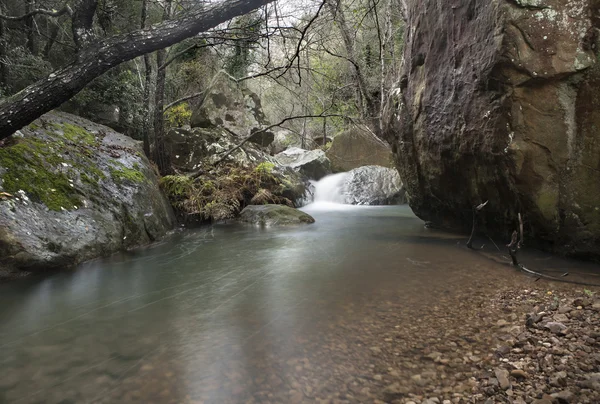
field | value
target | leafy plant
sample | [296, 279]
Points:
[179, 115]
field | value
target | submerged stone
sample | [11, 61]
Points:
[274, 215]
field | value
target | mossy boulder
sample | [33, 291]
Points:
[274, 215]
[72, 190]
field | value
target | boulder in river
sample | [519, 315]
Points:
[373, 185]
[313, 164]
[274, 215]
[357, 148]
[72, 190]
[369, 185]
[499, 102]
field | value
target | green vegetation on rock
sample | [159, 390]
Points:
[76, 134]
[222, 194]
[34, 167]
[122, 174]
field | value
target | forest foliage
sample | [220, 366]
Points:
[331, 61]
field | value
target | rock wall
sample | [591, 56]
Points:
[500, 100]
[72, 190]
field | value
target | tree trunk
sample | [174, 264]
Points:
[83, 22]
[3, 65]
[147, 125]
[30, 26]
[97, 58]
[161, 157]
[54, 30]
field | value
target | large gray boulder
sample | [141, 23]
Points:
[357, 148]
[72, 190]
[274, 215]
[500, 103]
[190, 149]
[313, 164]
[373, 185]
[234, 107]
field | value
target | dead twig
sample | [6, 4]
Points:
[516, 243]
[476, 209]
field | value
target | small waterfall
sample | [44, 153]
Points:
[330, 189]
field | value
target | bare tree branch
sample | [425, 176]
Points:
[183, 99]
[266, 129]
[50, 13]
[98, 57]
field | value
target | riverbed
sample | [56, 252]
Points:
[234, 313]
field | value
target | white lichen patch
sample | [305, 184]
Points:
[548, 14]
[532, 3]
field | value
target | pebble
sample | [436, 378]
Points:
[502, 376]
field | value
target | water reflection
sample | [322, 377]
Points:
[228, 314]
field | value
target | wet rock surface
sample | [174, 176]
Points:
[497, 102]
[74, 190]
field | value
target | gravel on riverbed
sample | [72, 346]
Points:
[502, 340]
[542, 348]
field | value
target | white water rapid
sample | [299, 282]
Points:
[329, 193]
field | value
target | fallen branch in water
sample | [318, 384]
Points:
[476, 209]
[516, 243]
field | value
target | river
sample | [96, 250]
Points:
[234, 313]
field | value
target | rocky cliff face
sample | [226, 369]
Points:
[72, 190]
[500, 100]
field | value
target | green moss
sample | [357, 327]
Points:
[76, 134]
[264, 168]
[33, 127]
[33, 167]
[122, 174]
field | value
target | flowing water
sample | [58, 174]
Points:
[232, 313]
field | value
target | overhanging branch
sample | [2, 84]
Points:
[49, 13]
